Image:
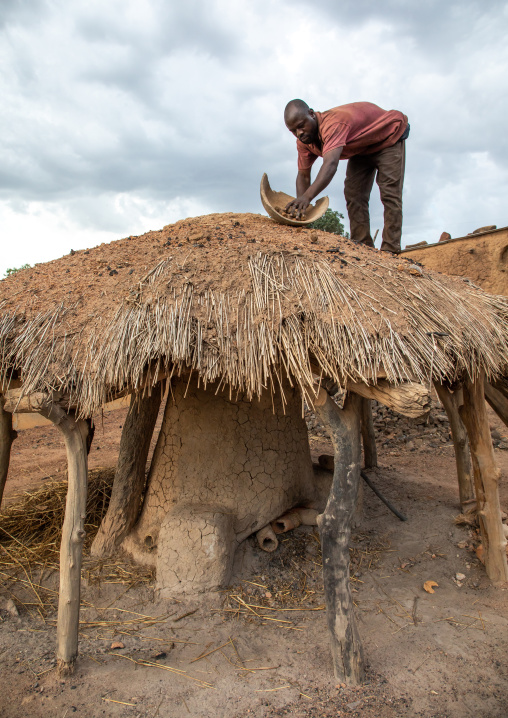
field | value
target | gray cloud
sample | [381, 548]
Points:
[147, 110]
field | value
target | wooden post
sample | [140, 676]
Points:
[486, 478]
[73, 533]
[497, 401]
[7, 436]
[129, 480]
[451, 402]
[368, 434]
[343, 426]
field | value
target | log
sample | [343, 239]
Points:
[15, 401]
[334, 523]
[7, 436]
[129, 481]
[409, 399]
[486, 479]
[368, 435]
[73, 534]
[498, 401]
[451, 401]
[501, 385]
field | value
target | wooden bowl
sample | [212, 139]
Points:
[271, 200]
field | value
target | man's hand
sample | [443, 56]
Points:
[307, 191]
[296, 208]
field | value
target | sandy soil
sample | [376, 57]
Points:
[431, 655]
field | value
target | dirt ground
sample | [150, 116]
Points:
[260, 647]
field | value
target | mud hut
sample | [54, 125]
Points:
[240, 321]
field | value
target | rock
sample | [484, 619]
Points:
[495, 434]
[116, 645]
[314, 236]
[415, 270]
[11, 607]
[460, 576]
[445, 236]
[353, 705]
[487, 228]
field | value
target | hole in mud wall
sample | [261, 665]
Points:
[149, 541]
[503, 257]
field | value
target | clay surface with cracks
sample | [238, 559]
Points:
[223, 468]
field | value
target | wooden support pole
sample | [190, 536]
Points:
[451, 402]
[129, 482]
[343, 426]
[497, 401]
[486, 478]
[368, 434]
[501, 385]
[7, 436]
[73, 533]
[410, 399]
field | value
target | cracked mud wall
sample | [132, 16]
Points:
[222, 469]
[481, 258]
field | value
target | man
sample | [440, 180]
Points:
[373, 142]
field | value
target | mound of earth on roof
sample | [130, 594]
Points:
[235, 297]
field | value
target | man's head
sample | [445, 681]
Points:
[301, 120]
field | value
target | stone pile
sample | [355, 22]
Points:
[426, 434]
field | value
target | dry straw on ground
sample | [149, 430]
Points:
[292, 584]
[30, 532]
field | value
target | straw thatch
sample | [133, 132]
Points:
[241, 300]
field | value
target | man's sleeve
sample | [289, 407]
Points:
[334, 136]
[306, 158]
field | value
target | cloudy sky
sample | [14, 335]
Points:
[120, 116]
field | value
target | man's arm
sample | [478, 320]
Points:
[306, 191]
[302, 182]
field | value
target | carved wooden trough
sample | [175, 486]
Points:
[242, 320]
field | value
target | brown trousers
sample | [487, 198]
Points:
[389, 164]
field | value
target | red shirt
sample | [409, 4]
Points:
[360, 128]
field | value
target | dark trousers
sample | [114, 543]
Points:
[387, 167]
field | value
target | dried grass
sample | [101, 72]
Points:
[30, 533]
[278, 309]
[292, 585]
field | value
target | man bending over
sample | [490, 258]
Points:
[373, 142]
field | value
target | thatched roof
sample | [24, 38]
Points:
[240, 299]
